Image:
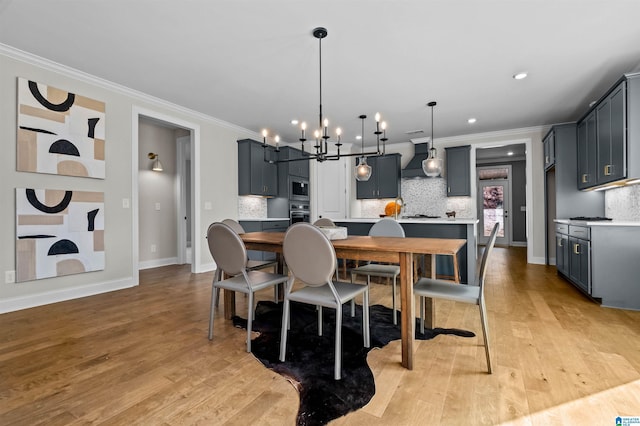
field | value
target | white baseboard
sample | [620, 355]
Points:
[156, 263]
[207, 267]
[33, 300]
[536, 260]
[518, 243]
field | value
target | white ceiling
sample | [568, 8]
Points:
[254, 63]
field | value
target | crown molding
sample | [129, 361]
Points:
[492, 135]
[38, 61]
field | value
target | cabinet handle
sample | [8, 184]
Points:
[585, 178]
[546, 160]
[448, 189]
[576, 248]
[607, 170]
[560, 242]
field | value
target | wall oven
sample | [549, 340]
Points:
[299, 212]
[298, 189]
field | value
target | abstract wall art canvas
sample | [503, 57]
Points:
[58, 233]
[59, 132]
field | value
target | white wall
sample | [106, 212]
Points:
[217, 163]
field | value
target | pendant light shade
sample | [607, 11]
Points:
[363, 170]
[432, 166]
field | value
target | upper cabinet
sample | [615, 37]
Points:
[293, 168]
[609, 136]
[385, 178]
[256, 176]
[549, 150]
[458, 171]
[587, 151]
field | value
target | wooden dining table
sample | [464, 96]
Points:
[377, 249]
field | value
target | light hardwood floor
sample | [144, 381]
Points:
[141, 356]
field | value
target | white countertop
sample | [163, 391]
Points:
[597, 222]
[262, 219]
[439, 221]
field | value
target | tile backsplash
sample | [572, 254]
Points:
[623, 203]
[252, 207]
[423, 196]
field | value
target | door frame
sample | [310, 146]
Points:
[138, 112]
[183, 148]
[508, 223]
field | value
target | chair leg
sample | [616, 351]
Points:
[215, 291]
[285, 327]
[422, 314]
[337, 369]
[353, 302]
[319, 320]
[250, 317]
[485, 333]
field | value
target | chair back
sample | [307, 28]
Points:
[386, 227]
[485, 257]
[234, 225]
[324, 221]
[309, 254]
[227, 248]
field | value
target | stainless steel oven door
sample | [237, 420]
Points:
[299, 213]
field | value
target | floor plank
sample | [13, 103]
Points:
[141, 356]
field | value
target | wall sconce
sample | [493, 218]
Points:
[156, 166]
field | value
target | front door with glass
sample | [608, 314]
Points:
[494, 207]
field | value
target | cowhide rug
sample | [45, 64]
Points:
[309, 364]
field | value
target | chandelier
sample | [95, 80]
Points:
[320, 150]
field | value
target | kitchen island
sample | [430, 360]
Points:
[431, 228]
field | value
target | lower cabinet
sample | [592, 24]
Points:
[263, 226]
[573, 255]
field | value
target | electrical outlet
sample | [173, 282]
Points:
[153, 248]
[9, 277]
[125, 203]
[157, 206]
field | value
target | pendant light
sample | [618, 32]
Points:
[363, 170]
[432, 166]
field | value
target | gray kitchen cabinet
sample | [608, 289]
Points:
[458, 169]
[587, 152]
[293, 168]
[385, 178]
[602, 261]
[562, 249]
[611, 137]
[263, 226]
[256, 176]
[614, 123]
[579, 260]
[549, 150]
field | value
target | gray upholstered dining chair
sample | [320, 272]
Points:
[230, 254]
[311, 259]
[470, 293]
[251, 264]
[324, 221]
[385, 227]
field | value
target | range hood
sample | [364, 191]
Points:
[414, 168]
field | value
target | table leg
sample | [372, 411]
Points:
[407, 306]
[456, 272]
[229, 301]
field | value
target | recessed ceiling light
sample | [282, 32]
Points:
[520, 75]
[358, 137]
[510, 153]
[471, 120]
[294, 122]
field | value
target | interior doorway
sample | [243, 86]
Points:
[183, 187]
[494, 203]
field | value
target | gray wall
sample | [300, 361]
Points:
[157, 227]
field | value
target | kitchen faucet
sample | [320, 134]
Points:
[395, 210]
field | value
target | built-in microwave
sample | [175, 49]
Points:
[298, 189]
